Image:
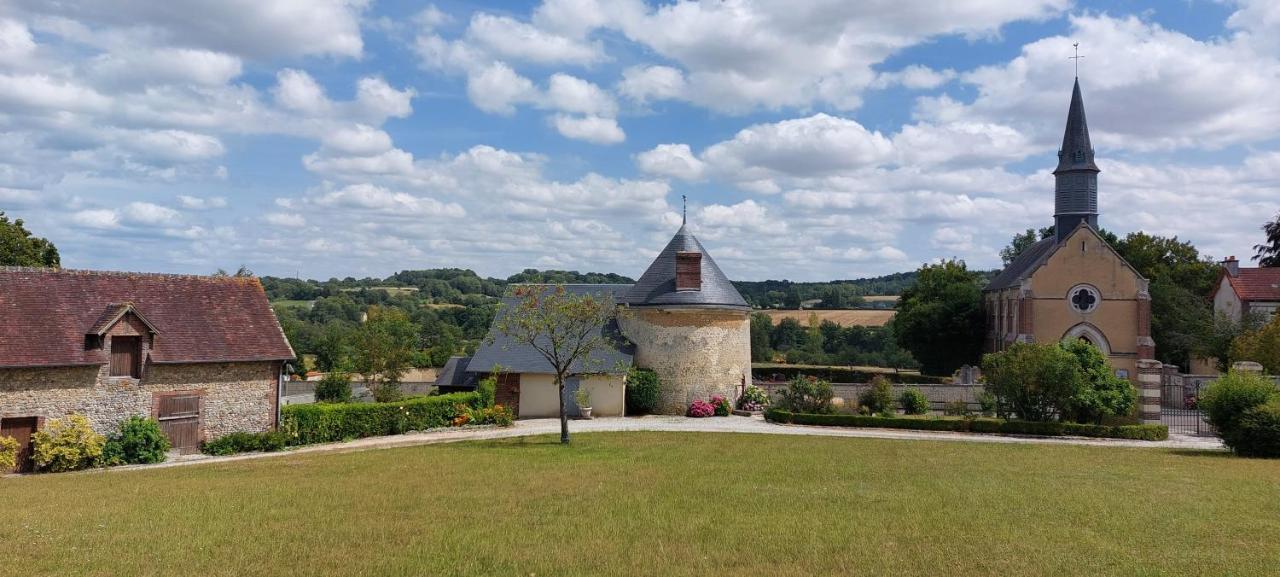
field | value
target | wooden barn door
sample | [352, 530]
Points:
[21, 429]
[179, 416]
[126, 356]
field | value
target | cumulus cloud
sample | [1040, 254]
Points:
[673, 160]
[592, 129]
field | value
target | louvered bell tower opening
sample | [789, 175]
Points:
[688, 271]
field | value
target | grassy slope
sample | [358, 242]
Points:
[655, 503]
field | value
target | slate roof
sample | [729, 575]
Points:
[1023, 265]
[46, 314]
[1076, 137]
[1257, 284]
[499, 349]
[1030, 259]
[657, 286]
[454, 373]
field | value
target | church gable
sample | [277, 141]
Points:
[1084, 258]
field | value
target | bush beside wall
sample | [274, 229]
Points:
[998, 426]
[839, 375]
[326, 423]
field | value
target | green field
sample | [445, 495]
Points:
[660, 504]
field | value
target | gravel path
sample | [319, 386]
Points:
[733, 424]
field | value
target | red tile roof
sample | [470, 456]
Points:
[45, 315]
[1257, 284]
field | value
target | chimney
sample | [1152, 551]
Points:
[1232, 265]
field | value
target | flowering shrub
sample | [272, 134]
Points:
[753, 399]
[463, 415]
[495, 415]
[67, 444]
[722, 406]
[701, 408]
[8, 454]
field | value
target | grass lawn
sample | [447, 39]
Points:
[660, 504]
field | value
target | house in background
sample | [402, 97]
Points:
[1242, 291]
[526, 381]
[203, 355]
[684, 321]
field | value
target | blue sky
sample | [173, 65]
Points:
[815, 140]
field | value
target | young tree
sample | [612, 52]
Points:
[1269, 252]
[19, 248]
[565, 328]
[1102, 393]
[1261, 346]
[940, 319]
[1032, 380]
[384, 347]
[761, 325]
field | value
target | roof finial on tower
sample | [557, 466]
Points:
[684, 210]
[1076, 58]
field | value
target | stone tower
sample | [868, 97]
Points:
[689, 325]
[1075, 187]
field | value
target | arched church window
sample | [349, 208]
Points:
[1083, 298]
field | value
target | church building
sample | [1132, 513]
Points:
[1074, 285]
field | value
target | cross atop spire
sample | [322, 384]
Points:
[1076, 58]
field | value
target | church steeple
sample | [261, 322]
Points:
[1076, 178]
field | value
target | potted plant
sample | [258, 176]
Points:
[583, 398]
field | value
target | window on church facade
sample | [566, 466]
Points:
[1083, 298]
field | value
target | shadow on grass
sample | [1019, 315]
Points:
[1216, 454]
[549, 440]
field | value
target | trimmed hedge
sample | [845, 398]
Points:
[838, 375]
[240, 442]
[326, 423]
[998, 426]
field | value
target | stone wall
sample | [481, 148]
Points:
[237, 396]
[696, 353]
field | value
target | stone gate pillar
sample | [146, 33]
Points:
[1150, 376]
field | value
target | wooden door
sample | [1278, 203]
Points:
[126, 356]
[179, 417]
[20, 428]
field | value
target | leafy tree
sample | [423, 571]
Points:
[383, 351]
[1221, 338]
[1181, 281]
[332, 346]
[787, 334]
[793, 300]
[562, 327]
[1032, 380]
[19, 248]
[242, 272]
[1269, 252]
[1102, 393]
[1022, 241]
[761, 325]
[1260, 346]
[335, 387]
[833, 299]
[940, 319]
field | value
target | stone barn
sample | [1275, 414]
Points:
[203, 355]
[683, 319]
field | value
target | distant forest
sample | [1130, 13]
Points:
[450, 311]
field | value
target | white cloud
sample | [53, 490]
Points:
[571, 94]
[146, 213]
[672, 160]
[358, 140]
[16, 42]
[592, 129]
[510, 39]
[97, 218]
[814, 145]
[645, 83]
[285, 220]
[497, 89]
[379, 199]
[297, 90]
[202, 203]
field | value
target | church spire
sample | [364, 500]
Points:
[1076, 178]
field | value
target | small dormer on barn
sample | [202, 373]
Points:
[124, 335]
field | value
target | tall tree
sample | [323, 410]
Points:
[1181, 281]
[1269, 252]
[761, 325]
[940, 319]
[19, 248]
[1022, 241]
[383, 350]
[563, 327]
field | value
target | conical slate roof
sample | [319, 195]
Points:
[657, 286]
[1076, 152]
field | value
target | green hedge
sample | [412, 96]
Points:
[839, 375]
[979, 425]
[329, 422]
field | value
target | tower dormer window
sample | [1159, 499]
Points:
[688, 271]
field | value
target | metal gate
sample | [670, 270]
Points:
[1180, 410]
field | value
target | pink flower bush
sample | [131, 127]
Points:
[701, 408]
[722, 406]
